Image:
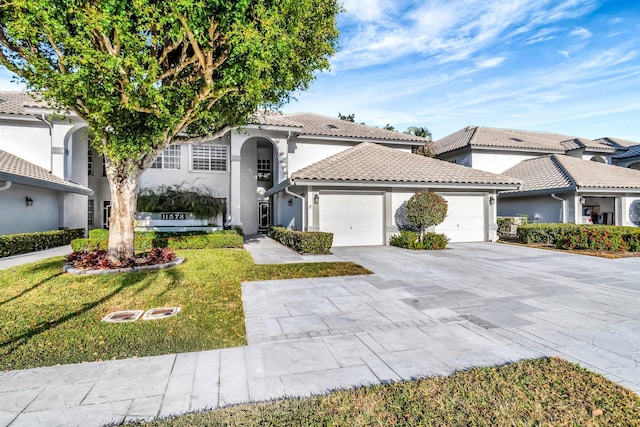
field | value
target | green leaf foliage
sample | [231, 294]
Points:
[15, 244]
[426, 209]
[141, 71]
[411, 240]
[608, 238]
[304, 242]
[179, 198]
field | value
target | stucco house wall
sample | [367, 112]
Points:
[17, 217]
[541, 209]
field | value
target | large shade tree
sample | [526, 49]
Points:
[145, 73]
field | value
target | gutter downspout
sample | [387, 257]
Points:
[6, 186]
[564, 206]
[304, 207]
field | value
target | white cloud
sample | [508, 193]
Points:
[445, 30]
[564, 53]
[582, 33]
[491, 62]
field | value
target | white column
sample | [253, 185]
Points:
[235, 190]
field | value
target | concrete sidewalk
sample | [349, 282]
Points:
[12, 261]
[420, 314]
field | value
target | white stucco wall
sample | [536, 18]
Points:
[17, 217]
[28, 140]
[218, 182]
[498, 161]
[304, 153]
[627, 206]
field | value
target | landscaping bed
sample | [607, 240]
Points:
[547, 391]
[50, 318]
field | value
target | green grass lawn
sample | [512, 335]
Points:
[541, 392]
[49, 318]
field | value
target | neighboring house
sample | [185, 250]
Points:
[43, 179]
[360, 193]
[496, 150]
[294, 170]
[560, 188]
[627, 152]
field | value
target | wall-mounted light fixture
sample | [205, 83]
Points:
[316, 199]
[290, 202]
[582, 200]
[29, 201]
[492, 200]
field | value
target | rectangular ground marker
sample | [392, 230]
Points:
[123, 316]
[160, 313]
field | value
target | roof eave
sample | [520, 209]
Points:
[404, 184]
[362, 139]
[541, 192]
[34, 182]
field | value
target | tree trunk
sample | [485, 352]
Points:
[124, 192]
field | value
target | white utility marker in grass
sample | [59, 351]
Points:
[160, 313]
[123, 316]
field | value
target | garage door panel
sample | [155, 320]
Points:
[354, 219]
[465, 220]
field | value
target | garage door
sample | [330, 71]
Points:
[355, 219]
[465, 218]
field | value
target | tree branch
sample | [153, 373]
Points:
[180, 140]
[178, 69]
[168, 49]
[54, 46]
[194, 44]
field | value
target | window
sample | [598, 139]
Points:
[90, 210]
[90, 162]
[264, 169]
[209, 157]
[168, 159]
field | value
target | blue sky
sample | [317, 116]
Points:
[571, 67]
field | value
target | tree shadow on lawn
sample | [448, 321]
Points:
[9, 346]
[31, 288]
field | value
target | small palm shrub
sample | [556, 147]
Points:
[180, 198]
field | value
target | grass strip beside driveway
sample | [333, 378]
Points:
[50, 318]
[548, 391]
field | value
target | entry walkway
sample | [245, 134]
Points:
[12, 261]
[420, 314]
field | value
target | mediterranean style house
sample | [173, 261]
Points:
[564, 178]
[302, 171]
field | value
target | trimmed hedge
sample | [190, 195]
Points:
[15, 244]
[304, 242]
[582, 237]
[147, 240]
[411, 240]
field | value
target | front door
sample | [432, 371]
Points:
[264, 215]
[106, 213]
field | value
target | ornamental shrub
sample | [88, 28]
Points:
[147, 240]
[15, 244]
[411, 240]
[582, 237]
[426, 210]
[304, 242]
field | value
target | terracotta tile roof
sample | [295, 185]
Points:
[317, 125]
[478, 136]
[556, 172]
[368, 162]
[15, 102]
[20, 171]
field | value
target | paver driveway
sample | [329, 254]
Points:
[425, 313]
[421, 313]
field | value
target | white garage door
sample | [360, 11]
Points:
[355, 219]
[465, 218]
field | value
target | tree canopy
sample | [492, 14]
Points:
[142, 73]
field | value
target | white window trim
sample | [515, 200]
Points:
[191, 169]
[161, 158]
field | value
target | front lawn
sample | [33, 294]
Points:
[547, 391]
[50, 318]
